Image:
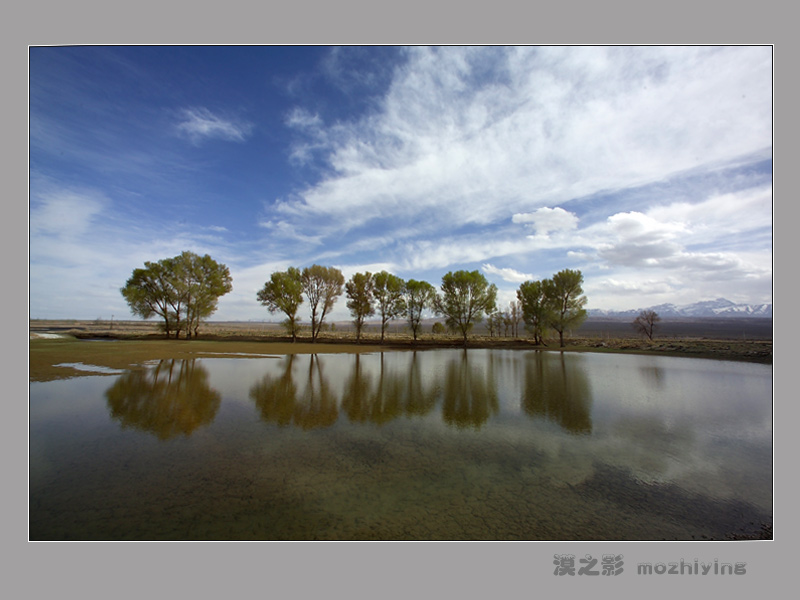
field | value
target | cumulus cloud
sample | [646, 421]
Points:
[546, 220]
[199, 124]
[507, 274]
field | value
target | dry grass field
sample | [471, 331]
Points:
[710, 338]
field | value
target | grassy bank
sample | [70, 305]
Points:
[119, 354]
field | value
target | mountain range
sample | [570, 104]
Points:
[708, 308]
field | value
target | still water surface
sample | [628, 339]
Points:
[433, 445]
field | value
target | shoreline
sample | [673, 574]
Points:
[759, 351]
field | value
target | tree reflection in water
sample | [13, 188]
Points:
[420, 398]
[276, 397]
[391, 395]
[278, 401]
[169, 399]
[379, 391]
[557, 392]
[470, 397]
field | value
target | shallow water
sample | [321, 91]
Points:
[434, 445]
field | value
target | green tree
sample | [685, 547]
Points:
[151, 292]
[438, 328]
[284, 292]
[181, 290]
[566, 294]
[388, 293]
[466, 296]
[536, 309]
[322, 287]
[201, 281]
[359, 290]
[419, 296]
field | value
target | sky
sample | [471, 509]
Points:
[647, 168]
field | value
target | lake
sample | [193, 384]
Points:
[429, 445]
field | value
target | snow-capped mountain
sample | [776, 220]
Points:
[707, 308]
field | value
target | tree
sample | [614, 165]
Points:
[322, 286]
[151, 292]
[646, 323]
[438, 328]
[418, 295]
[388, 293]
[182, 290]
[514, 316]
[359, 290]
[536, 309]
[565, 292]
[466, 296]
[505, 322]
[284, 292]
[201, 281]
[493, 323]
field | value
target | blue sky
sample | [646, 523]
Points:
[648, 168]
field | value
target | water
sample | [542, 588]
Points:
[434, 445]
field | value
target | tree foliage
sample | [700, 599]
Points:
[388, 293]
[202, 281]
[646, 323]
[466, 296]
[359, 290]
[418, 296]
[536, 309]
[566, 294]
[182, 290]
[150, 291]
[322, 287]
[284, 292]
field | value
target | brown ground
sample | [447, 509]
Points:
[235, 339]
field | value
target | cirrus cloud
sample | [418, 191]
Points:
[199, 124]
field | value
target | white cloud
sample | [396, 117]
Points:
[65, 212]
[303, 119]
[720, 216]
[546, 220]
[199, 124]
[507, 274]
[542, 126]
[285, 230]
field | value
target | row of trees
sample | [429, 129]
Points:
[367, 294]
[185, 289]
[466, 297]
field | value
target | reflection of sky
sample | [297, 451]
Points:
[703, 425]
[685, 421]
